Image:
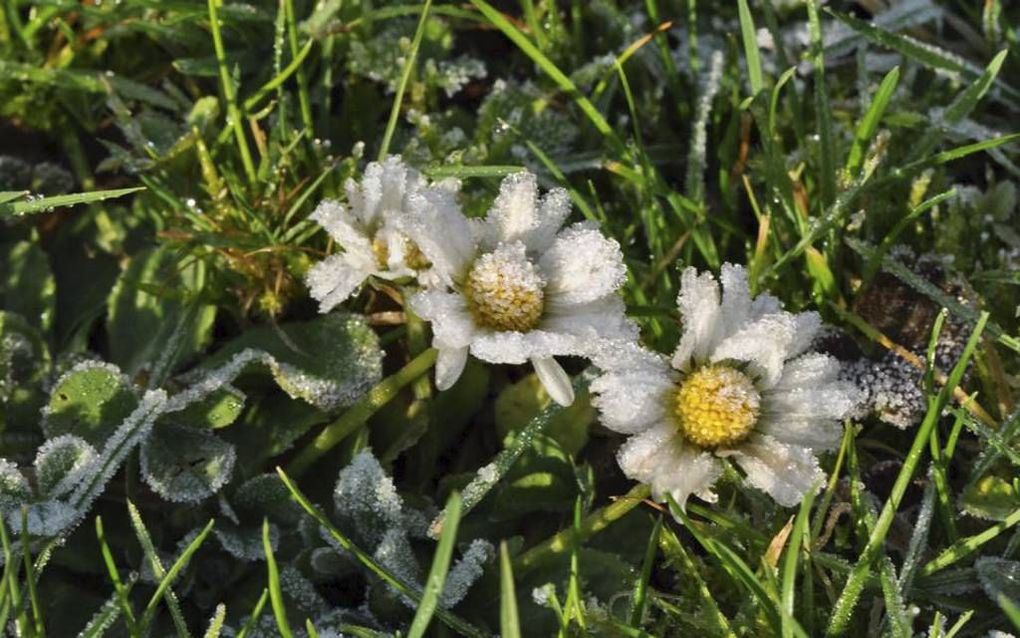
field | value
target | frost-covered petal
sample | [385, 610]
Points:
[518, 215]
[811, 432]
[452, 325]
[518, 347]
[450, 364]
[582, 265]
[698, 303]
[660, 458]
[764, 345]
[631, 396]
[807, 326]
[334, 279]
[808, 370]
[554, 379]
[382, 190]
[341, 226]
[736, 299]
[595, 321]
[785, 472]
[396, 253]
[441, 232]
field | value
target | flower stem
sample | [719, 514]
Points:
[359, 413]
[591, 525]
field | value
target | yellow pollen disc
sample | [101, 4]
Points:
[414, 257]
[381, 252]
[504, 295]
[716, 406]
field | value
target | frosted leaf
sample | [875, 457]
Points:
[186, 465]
[121, 443]
[465, 572]
[301, 591]
[999, 577]
[366, 500]
[23, 353]
[14, 488]
[329, 562]
[264, 495]
[394, 553]
[89, 400]
[45, 519]
[453, 75]
[245, 543]
[61, 463]
[329, 361]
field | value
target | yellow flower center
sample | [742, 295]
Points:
[413, 256]
[504, 291]
[716, 406]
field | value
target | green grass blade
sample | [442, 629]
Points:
[868, 125]
[405, 76]
[509, 619]
[234, 118]
[118, 585]
[256, 613]
[275, 591]
[46, 204]
[440, 566]
[639, 599]
[524, 44]
[749, 35]
[145, 540]
[38, 627]
[965, 102]
[790, 560]
[175, 570]
[827, 139]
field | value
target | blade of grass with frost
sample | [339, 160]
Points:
[868, 125]
[672, 547]
[918, 540]
[256, 613]
[234, 119]
[967, 546]
[171, 575]
[922, 52]
[451, 620]
[216, 622]
[738, 570]
[275, 591]
[874, 262]
[358, 414]
[10, 207]
[145, 540]
[823, 109]
[102, 620]
[639, 599]
[749, 35]
[1011, 609]
[405, 76]
[440, 566]
[524, 44]
[509, 620]
[790, 561]
[118, 585]
[38, 628]
[854, 586]
[489, 475]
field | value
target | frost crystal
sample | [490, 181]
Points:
[465, 572]
[367, 499]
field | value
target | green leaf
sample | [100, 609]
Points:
[89, 401]
[868, 125]
[520, 402]
[155, 322]
[218, 410]
[329, 361]
[14, 488]
[749, 35]
[186, 465]
[27, 286]
[437, 573]
[47, 204]
[24, 356]
[999, 577]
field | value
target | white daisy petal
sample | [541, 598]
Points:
[632, 396]
[442, 233]
[764, 345]
[452, 325]
[736, 299]
[518, 215]
[814, 433]
[333, 280]
[518, 347]
[595, 320]
[582, 265]
[659, 458]
[807, 370]
[336, 221]
[698, 302]
[554, 379]
[785, 472]
[450, 364]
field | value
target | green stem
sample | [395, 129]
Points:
[302, 81]
[359, 413]
[230, 92]
[591, 525]
[405, 76]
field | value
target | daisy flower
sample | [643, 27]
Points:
[741, 386]
[368, 229]
[516, 286]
